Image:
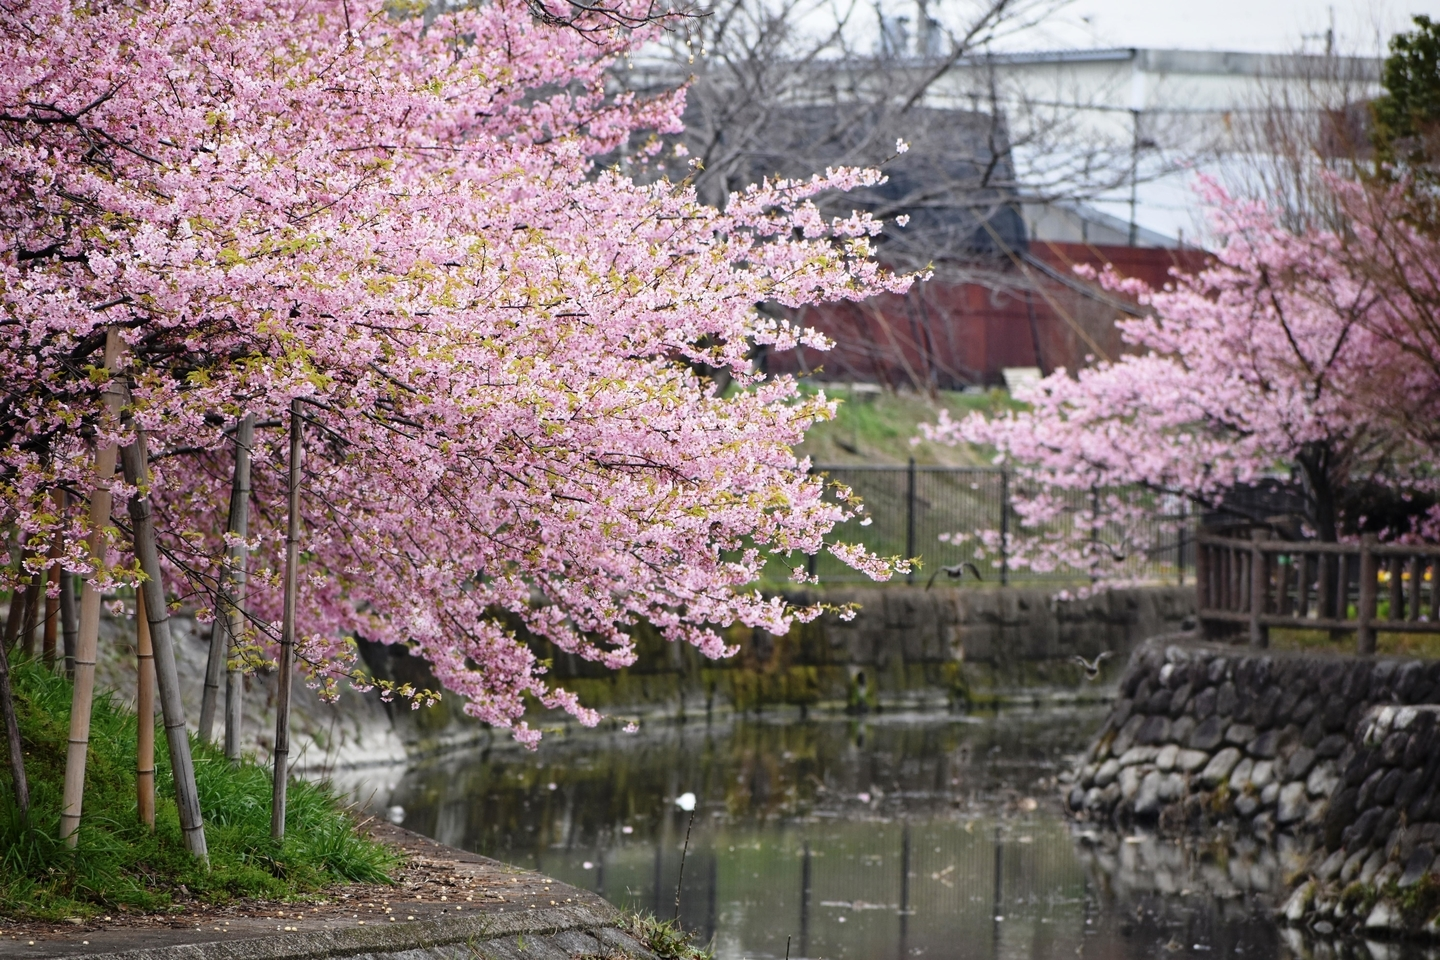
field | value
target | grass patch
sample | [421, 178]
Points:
[1421, 645]
[119, 865]
[878, 427]
[664, 938]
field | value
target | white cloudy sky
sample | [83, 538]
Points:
[1274, 26]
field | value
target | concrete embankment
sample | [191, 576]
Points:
[451, 905]
[1334, 759]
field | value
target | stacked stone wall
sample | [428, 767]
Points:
[906, 646]
[1335, 758]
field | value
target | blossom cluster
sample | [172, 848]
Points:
[1274, 362]
[403, 220]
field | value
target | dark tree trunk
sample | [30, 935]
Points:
[12, 736]
[1316, 461]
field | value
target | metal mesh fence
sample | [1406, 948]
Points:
[910, 507]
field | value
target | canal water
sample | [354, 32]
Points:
[878, 838]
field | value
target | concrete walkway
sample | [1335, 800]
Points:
[447, 905]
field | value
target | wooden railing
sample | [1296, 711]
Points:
[1267, 583]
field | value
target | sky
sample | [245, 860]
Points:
[1260, 26]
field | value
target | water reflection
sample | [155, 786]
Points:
[878, 839]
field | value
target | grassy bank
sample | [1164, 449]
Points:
[119, 864]
[1387, 643]
[877, 427]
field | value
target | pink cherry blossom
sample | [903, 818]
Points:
[1265, 364]
[406, 221]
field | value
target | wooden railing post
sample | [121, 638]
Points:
[1365, 615]
[1417, 575]
[1434, 563]
[1259, 589]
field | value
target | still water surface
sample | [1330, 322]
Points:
[883, 838]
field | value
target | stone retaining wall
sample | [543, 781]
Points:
[907, 646]
[1335, 757]
[1376, 864]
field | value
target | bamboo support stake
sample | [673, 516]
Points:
[88, 633]
[287, 631]
[167, 679]
[237, 526]
[144, 715]
[234, 700]
[239, 496]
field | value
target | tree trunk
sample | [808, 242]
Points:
[12, 736]
[33, 605]
[287, 630]
[144, 715]
[231, 572]
[240, 494]
[14, 617]
[52, 604]
[69, 627]
[137, 474]
[1315, 461]
[88, 633]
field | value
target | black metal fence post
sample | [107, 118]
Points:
[910, 519]
[1094, 531]
[963, 501]
[813, 560]
[1180, 545]
[1004, 527]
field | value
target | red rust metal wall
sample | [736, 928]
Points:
[948, 336]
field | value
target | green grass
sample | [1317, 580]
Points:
[119, 865]
[878, 427]
[1396, 644]
[665, 938]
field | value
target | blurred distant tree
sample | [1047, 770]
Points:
[1407, 115]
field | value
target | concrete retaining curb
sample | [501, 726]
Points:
[487, 935]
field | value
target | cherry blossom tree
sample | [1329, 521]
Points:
[1274, 362]
[399, 219]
